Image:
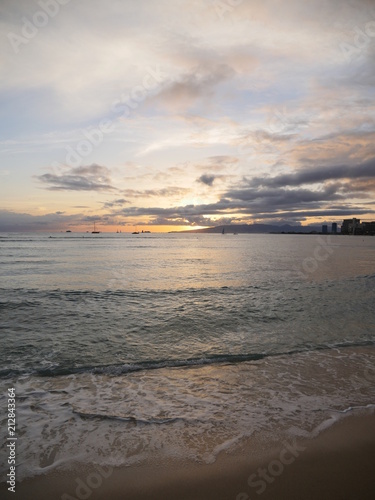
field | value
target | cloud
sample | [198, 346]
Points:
[169, 191]
[277, 198]
[198, 83]
[191, 220]
[244, 201]
[280, 196]
[345, 147]
[14, 221]
[300, 208]
[206, 179]
[86, 178]
[115, 203]
[318, 175]
[218, 162]
[52, 222]
[357, 186]
[302, 215]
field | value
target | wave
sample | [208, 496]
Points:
[127, 292]
[21, 304]
[352, 409]
[16, 297]
[121, 292]
[131, 419]
[126, 368]
[16, 240]
[26, 261]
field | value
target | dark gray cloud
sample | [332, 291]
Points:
[318, 175]
[279, 197]
[206, 179]
[243, 201]
[300, 215]
[115, 203]
[85, 178]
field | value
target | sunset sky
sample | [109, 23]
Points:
[177, 114]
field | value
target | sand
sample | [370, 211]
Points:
[338, 464]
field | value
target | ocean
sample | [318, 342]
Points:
[125, 349]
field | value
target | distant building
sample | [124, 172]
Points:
[325, 229]
[345, 226]
[355, 226]
[368, 228]
[334, 228]
[351, 226]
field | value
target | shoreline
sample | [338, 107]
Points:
[338, 463]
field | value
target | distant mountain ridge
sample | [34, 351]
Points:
[253, 228]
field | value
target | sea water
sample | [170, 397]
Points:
[129, 348]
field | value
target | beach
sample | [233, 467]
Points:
[336, 464]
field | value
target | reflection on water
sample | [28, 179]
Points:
[173, 261]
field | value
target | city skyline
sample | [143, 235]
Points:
[186, 115]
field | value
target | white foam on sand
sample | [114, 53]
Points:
[191, 413]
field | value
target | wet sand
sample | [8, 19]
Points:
[338, 464]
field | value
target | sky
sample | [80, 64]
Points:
[180, 114]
